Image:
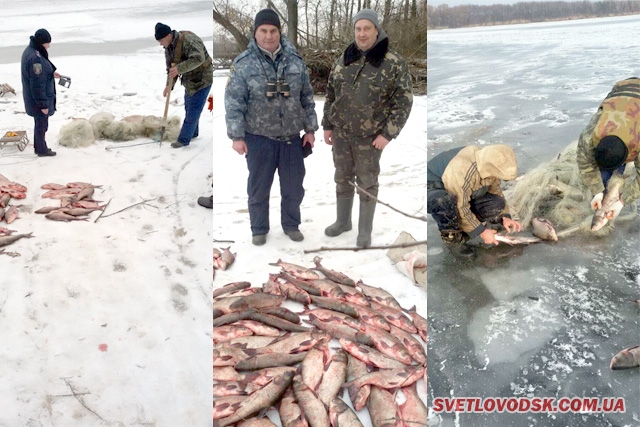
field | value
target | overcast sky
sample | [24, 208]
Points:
[478, 2]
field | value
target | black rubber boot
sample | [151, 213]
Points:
[455, 241]
[206, 202]
[365, 223]
[343, 221]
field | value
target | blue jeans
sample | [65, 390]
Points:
[264, 156]
[193, 106]
[40, 129]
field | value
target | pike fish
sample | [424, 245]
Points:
[296, 270]
[261, 399]
[336, 276]
[7, 240]
[626, 359]
[341, 415]
[542, 228]
[602, 215]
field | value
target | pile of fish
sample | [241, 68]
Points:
[75, 201]
[8, 190]
[266, 355]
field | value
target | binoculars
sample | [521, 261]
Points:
[277, 87]
[65, 81]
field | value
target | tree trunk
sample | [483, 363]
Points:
[292, 28]
[239, 37]
[387, 12]
[306, 18]
[414, 9]
[331, 23]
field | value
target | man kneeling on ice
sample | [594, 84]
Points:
[464, 195]
[609, 142]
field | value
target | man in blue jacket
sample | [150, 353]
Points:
[268, 102]
[39, 88]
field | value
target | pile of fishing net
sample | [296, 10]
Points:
[83, 132]
[554, 190]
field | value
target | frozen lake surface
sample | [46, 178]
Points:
[543, 320]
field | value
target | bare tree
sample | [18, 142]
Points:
[331, 21]
[292, 28]
[241, 39]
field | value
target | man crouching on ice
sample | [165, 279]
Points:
[464, 195]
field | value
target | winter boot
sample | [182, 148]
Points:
[455, 241]
[343, 221]
[365, 223]
[206, 202]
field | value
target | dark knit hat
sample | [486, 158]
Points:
[611, 153]
[41, 37]
[266, 16]
[162, 31]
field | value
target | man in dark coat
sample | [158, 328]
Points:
[39, 88]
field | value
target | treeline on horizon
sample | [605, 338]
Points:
[443, 16]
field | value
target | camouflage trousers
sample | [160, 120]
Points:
[355, 158]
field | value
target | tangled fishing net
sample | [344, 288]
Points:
[82, 133]
[554, 190]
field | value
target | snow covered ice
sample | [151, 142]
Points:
[543, 320]
[107, 322]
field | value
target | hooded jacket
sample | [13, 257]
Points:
[472, 172]
[247, 107]
[38, 83]
[618, 115]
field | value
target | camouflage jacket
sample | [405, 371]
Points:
[247, 107]
[368, 95]
[617, 115]
[194, 65]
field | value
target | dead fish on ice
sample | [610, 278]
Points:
[543, 229]
[61, 216]
[336, 276]
[516, 240]
[602, 215]
[224, 260]
[626, 359]
[7, 240]
[296, 270]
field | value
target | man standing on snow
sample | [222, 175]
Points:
[464, 195]
[186, 56]
[268, 102]
[39, 88]
[369, 98]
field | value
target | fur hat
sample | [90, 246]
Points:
[162, 31]
[611, 153]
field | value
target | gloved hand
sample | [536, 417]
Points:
[616, 207]
[596, 202]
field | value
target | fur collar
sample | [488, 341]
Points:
[374, 56]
